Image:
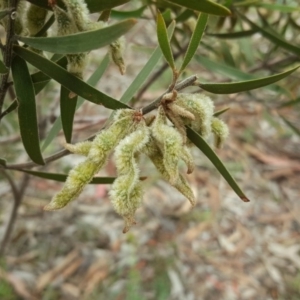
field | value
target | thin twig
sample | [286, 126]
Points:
[18, 196]
[153, 105]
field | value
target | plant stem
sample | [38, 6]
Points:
[8, 54]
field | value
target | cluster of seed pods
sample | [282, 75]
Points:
[163, 139]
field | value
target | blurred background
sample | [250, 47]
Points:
[222, 248]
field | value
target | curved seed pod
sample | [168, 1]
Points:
[78, 177]
[171, 141]
[76, 63]
[126, 191]
[156, 156]
[36, 17]
[116, 53]
[201, 107]
[187, 157]
[82, 148]
[83, 173]
[80, 13]
[65, 22]
[220, 131]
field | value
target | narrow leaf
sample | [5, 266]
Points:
[195, 40]
[80, 42]
[11, 108]
[93, 6]
[204, 6]
[233, 35]
[95, 77]
[278, 41]
[212, 156]
[221, 112]
[291, 125]
[120, 15]
[290, 103]
[163, 40]
[234, 73]
[3, 69]
[67, 111]
[63, 177]
[278, 7]
[242, 86]
[68, 80]
[145, 72]
[27, 110]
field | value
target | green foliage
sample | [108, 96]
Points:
[198, 37]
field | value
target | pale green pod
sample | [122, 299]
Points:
[126, 206]
[76, 63]
[78, 177]
[116, 54]
[171, 143]
[65, 22]
[36, 17]
[220, 131]
[181, 184]
[81, 148]
[80, 13]
[107, 139]
[187, 157]
[201, 107]
[126, 193]
[83, 173]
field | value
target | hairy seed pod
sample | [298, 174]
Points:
[116, 54]
[187, 157]
[65, 22]
[201, 107]
[80, 13]
[220, 131]
[126, 191]
[82, 148]
[36, 17]
[156, 156]
[83, 173]
[76, 63]
[171, 143]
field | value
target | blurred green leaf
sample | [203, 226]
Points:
[67, 112]
[274, 38]
[221, 112]
[204, 6]
[236, 87]
[63, 177]
[120, 15]
[290, 103]
[26, 110]
[145, 72]
[68, 80]
[278, 7]
[211, 155]
[195, 40]
[95, 77]
[4, 13]
[38, 86]
[233, 72]
[3, 69]
[291, 125]
[93, 6]
[11, 108]
[233, 35]
[80, 42]
[163, 40]
[2, 162]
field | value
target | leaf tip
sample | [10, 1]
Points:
[244, 198]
